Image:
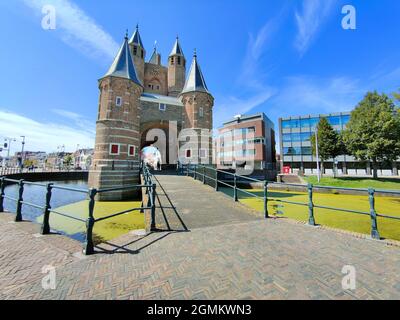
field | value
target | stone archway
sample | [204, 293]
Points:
[158, 133]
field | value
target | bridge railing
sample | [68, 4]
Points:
[88, 248]
[204, 173]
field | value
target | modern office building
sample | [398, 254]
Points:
[296, 152]
[247, 141]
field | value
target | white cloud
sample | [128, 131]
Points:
[43, 136]
[309, 21]
[77, 29]
[231, 106]
[307, 94]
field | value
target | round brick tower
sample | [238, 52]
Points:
[116, 157]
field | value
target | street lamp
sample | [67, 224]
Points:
[7, 145]
[22, 152]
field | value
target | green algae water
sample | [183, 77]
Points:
[388, 228]
[77, 205]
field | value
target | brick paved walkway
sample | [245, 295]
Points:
[246, 259]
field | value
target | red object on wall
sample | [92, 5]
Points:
[286, 170]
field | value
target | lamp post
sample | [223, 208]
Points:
[22, 152]
[7, 144]
[317, 154]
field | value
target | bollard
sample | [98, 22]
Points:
[18, 217]
[216, 179]
[2, 193]
[235, 196]
[153, 208]
[266, 200]
[311, 220]
[89, 245]
[374, 222]
[46, 214]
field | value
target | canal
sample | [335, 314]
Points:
[76, 204]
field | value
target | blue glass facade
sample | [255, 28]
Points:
[300, 130]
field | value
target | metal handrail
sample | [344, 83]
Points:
[195, 170]
[149, 186]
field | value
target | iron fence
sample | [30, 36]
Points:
[199, 172]
[88, 248]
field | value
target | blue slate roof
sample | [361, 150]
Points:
[176, 50]
[195, 80]
[136, 39]
[123, 66]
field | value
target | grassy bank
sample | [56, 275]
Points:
[104, 230]
[388, 228]
[354, 182]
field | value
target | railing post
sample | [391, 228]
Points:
[311, 220]
[89, 245]
[204, 174]
[374, 222]
[266, 199]
[235, 196]
[195, 172]
[153, 208]
[18, 217]
[2, 193]
[216, 179]
[187, 169]
[46, 214]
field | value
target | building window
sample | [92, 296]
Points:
[131, 151]
[172, 61]
[142, 54]
[162, 107]
[118, 101]
[203, 153]
[188, 153]
[114, 149]
[179, 60]
[201, 112]
[134, 50]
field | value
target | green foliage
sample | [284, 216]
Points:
[68, 160]
[373, 132]
[329, 141]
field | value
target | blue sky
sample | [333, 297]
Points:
[281, 57]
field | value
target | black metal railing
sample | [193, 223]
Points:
[198, 172]
[88, 248]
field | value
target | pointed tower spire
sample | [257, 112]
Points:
[136, 39]
[155, 57]
[195, 80]
[123, 66]
[176, 50]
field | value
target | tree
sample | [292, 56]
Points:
[396, 95]
[373, 132]
[68, 160]
[329, 142]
